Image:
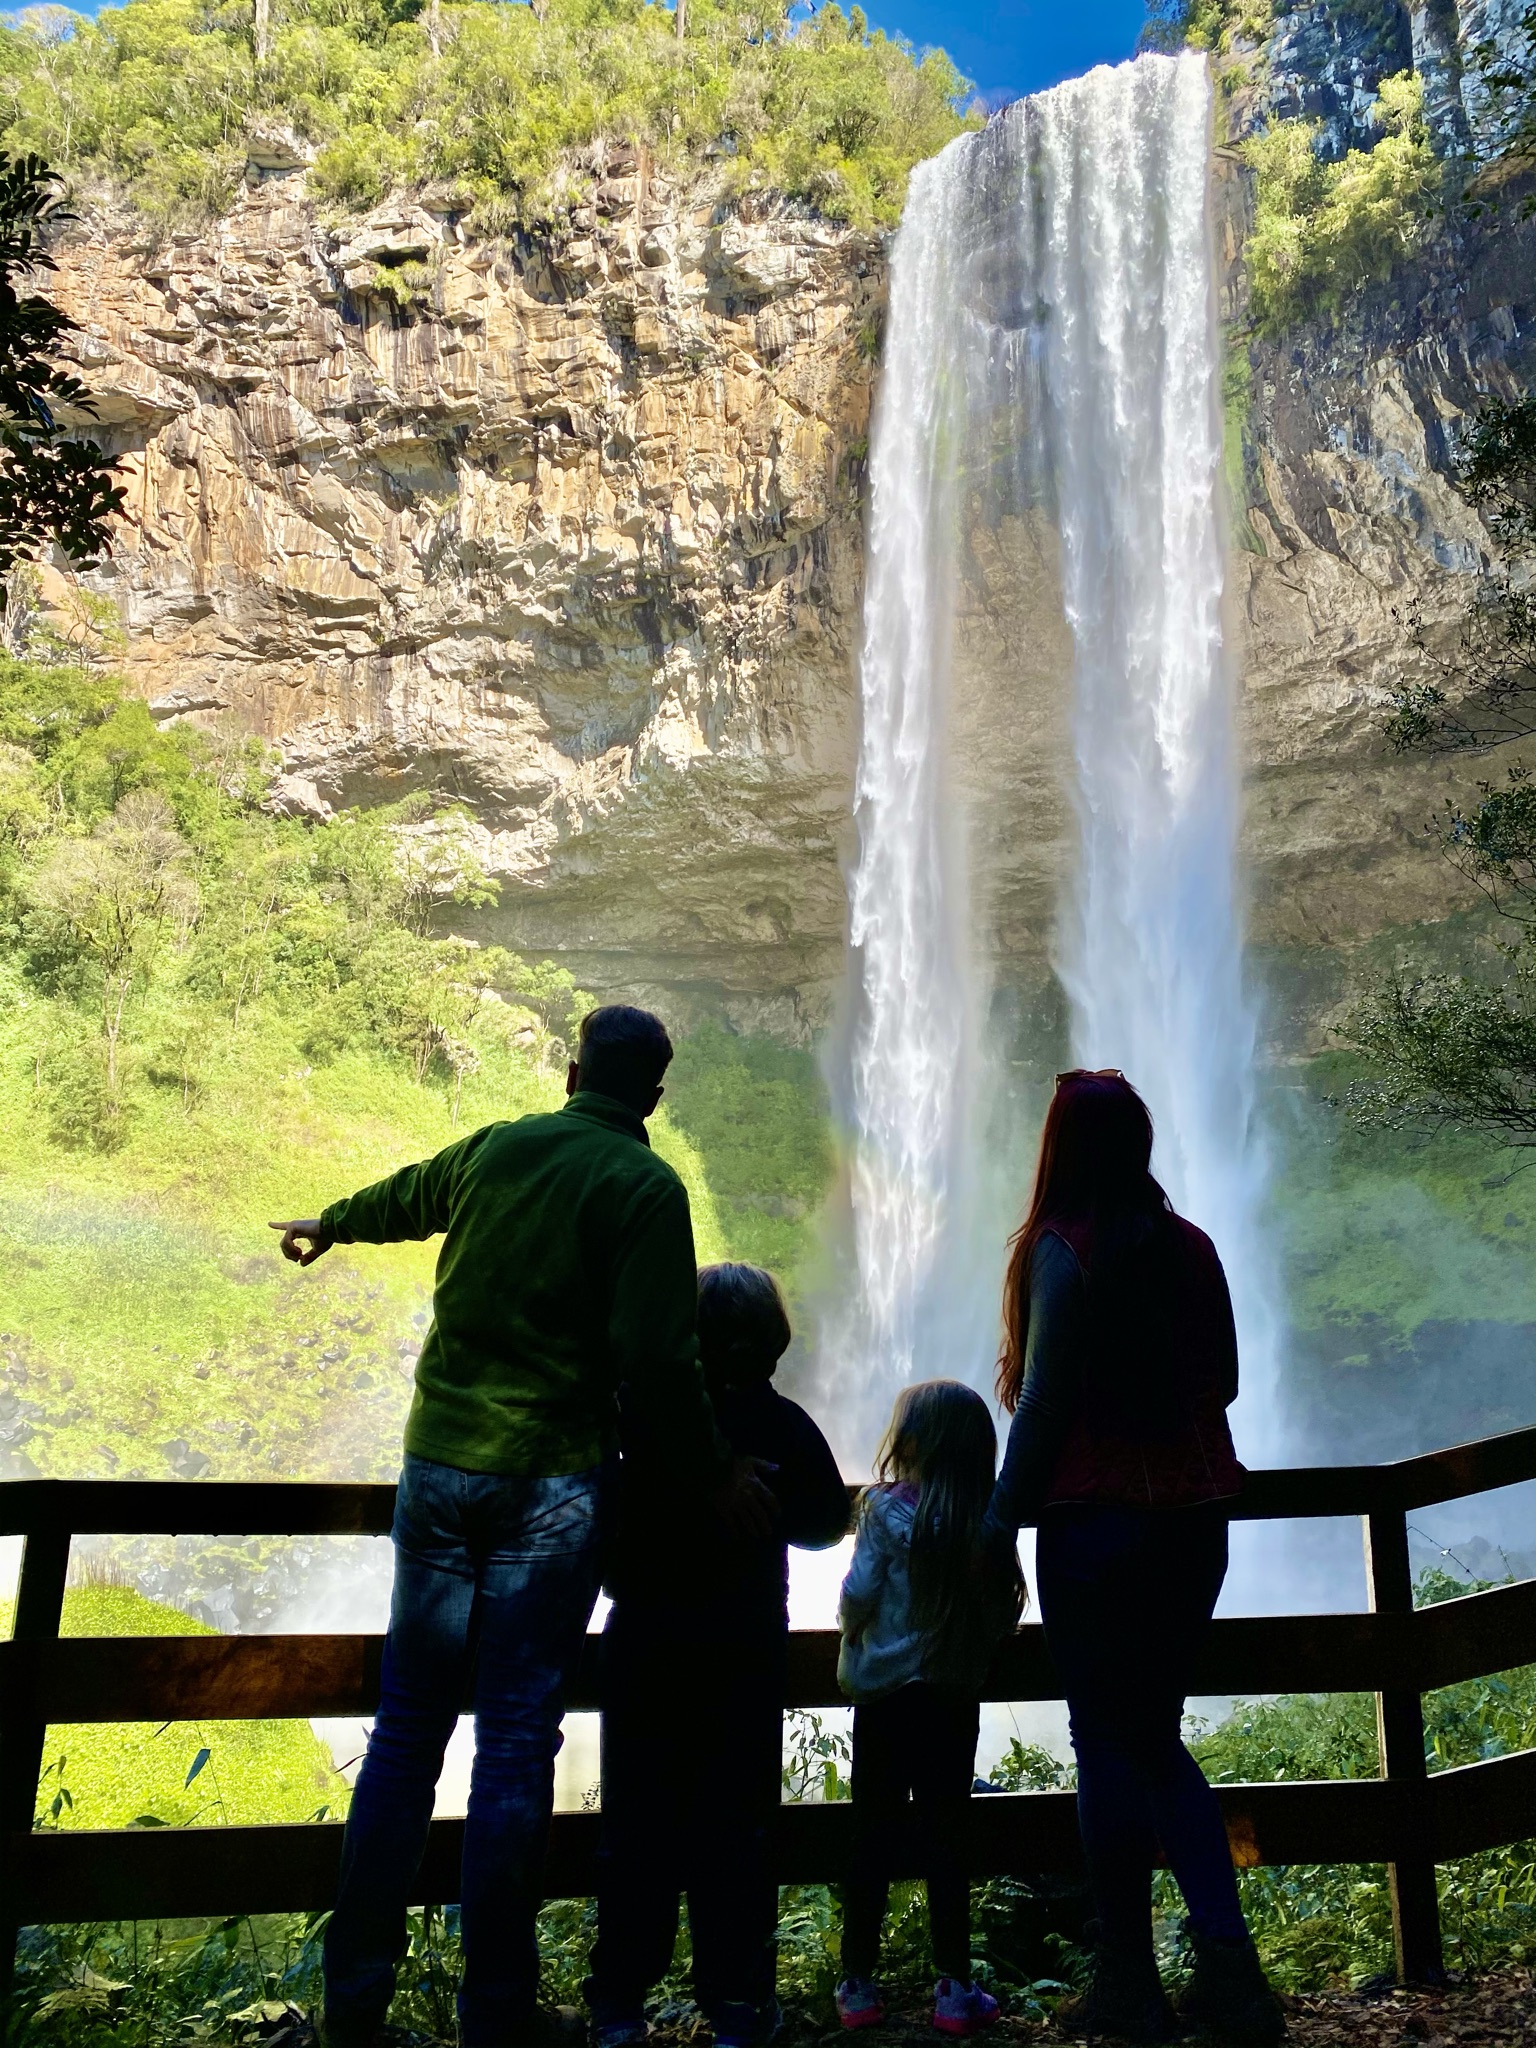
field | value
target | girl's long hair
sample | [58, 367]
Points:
[1095, 1176]
[964, 1578]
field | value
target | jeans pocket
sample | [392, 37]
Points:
[559, 1517]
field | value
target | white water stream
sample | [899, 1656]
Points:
[1052, 278]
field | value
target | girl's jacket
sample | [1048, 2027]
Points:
[883, 1648]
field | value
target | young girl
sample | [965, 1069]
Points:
[929, 1595]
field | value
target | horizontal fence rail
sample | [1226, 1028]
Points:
[1406, 1818]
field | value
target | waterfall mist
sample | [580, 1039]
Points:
[1051, 356]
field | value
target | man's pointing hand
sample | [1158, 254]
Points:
[303, 1229]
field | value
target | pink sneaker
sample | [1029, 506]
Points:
[859, 2003]
[962, 2009]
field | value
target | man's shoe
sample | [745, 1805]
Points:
[744, 2025]
[1124, 2000]
[962, 2009]
[859, 2003]
[1228, 1999]
[547, 2026]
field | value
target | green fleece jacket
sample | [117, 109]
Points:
[567, 1270]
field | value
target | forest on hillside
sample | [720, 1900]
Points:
[491, 104]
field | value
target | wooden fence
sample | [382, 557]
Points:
[1406, 1818]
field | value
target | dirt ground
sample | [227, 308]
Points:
[1496, 2011]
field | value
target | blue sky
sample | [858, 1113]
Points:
[1015, 46]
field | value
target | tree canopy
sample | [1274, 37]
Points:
[495, 98]
[52, 487]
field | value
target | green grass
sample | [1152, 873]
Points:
[757, 1111]
[122, 1774]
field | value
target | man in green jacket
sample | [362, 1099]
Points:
[567, 1270]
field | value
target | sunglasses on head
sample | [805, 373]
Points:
[1090, 1074]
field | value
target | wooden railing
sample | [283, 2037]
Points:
[1406, 1818]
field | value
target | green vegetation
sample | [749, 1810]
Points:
[1322, 230]
[494, 102]
[213, 1016]
[129, 1774]
[757, 1111]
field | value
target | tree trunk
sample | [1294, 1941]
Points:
[262, 30]
[682, 19]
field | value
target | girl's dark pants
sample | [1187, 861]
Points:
[914, 1761]
[692, 1762]
[1126, 1595]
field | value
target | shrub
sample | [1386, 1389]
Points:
[1321, 230]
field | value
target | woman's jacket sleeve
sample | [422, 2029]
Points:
[1054, 1356]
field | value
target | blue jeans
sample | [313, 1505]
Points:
[1126, 1595]
[495, 1579]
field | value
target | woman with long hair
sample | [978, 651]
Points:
[1118, 1364]
[931, 1591]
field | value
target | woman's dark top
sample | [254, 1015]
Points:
[1123, 1401]
[677, 1565]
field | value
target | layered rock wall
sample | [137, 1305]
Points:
[570, 532]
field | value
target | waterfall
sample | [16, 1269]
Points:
[1151, 948]
[1051, 342]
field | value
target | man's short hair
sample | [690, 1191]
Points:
[743, 1323]
[622, 1051]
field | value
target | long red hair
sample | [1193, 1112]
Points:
[1095, 1163]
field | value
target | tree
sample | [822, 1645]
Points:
[1459, 1049]
[102, 907]
[52, 488]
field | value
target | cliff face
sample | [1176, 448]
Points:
[574, 532]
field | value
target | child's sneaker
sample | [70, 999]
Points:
[962, 2008]
[618, 2033]
[859, 2003]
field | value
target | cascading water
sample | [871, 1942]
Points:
[1152, 946]
[1052, 339]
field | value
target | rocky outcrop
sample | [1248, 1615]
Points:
[569, 531]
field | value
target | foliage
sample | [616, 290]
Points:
[1322, 230]
[499, 102]
[117, 1775]
[1462, 1049]
[52, 488]
[758, 1113]
[1206, 24]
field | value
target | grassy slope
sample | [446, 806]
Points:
[143, 1306]
[120, 1772]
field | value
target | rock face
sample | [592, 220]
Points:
[572, 531]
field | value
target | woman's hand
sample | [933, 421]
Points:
[296, 1233]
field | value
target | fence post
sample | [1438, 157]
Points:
[1400, 1738]
[39, 1610]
